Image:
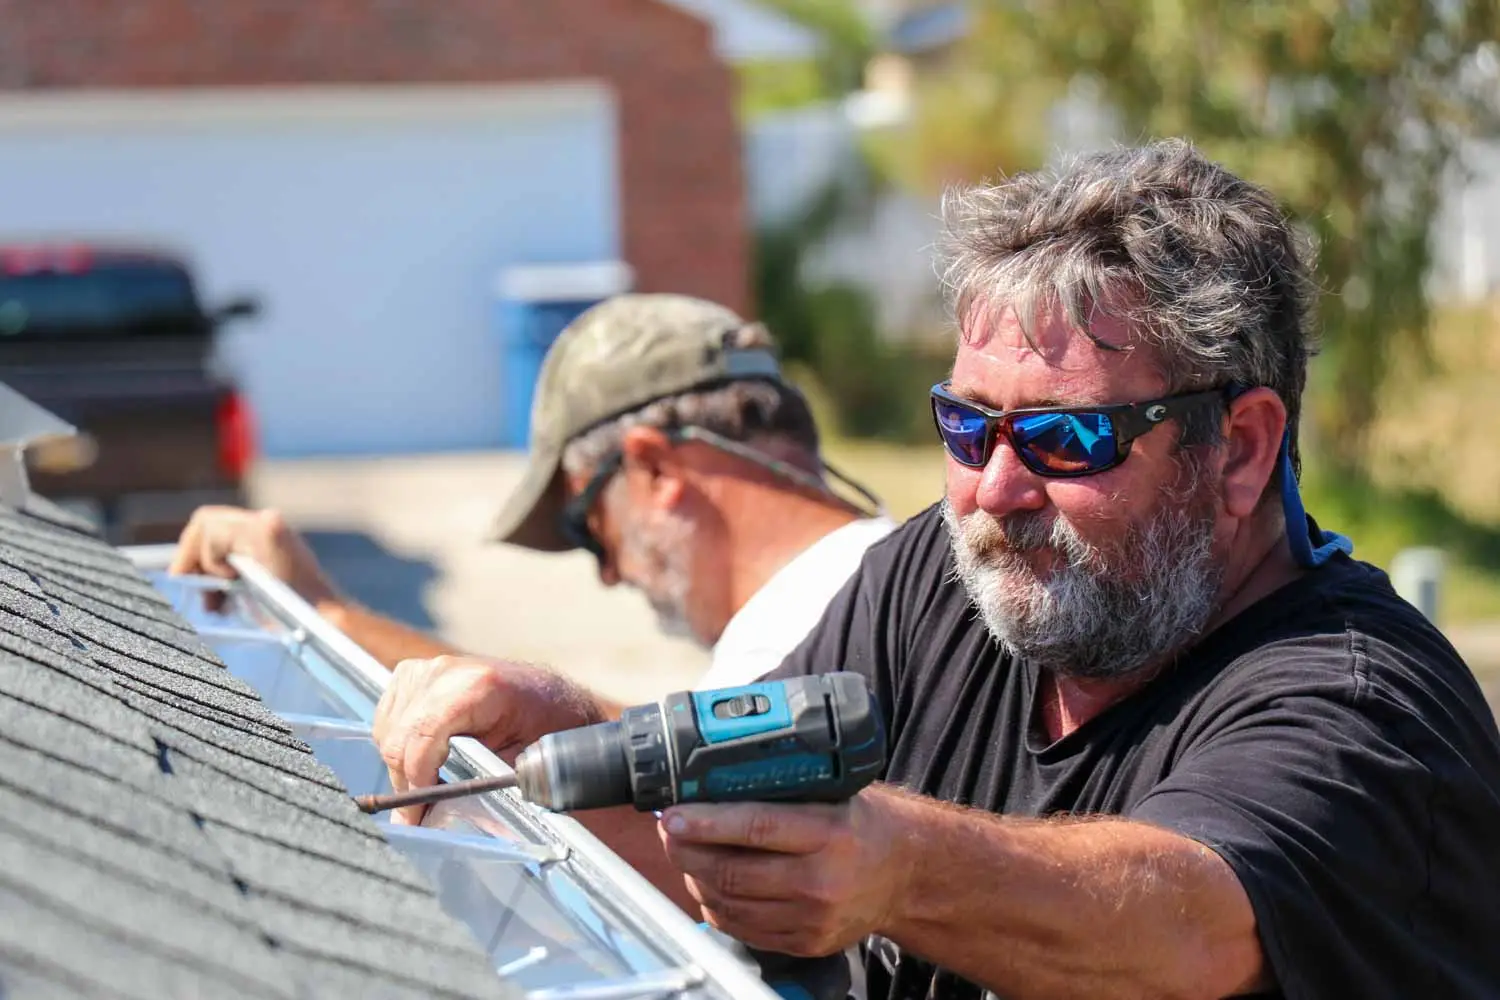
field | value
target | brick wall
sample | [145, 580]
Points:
[684, 225]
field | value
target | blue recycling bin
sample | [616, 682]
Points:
[527, 330]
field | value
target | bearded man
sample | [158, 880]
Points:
[1152, 731]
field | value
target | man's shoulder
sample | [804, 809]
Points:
[1356, 600]
[1343, 632]
[1399, 655]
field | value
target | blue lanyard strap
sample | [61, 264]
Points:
[1296, 519]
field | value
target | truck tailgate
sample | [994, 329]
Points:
[149, 413]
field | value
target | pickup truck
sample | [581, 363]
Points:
[115, 341]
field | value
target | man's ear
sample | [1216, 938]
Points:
[1253, 434]
[653, 466]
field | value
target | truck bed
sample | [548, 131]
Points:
[148, 416]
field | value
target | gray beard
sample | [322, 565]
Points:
[1097, 614]
[664, 544]
[671, 621]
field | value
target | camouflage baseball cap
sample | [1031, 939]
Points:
[616, 357]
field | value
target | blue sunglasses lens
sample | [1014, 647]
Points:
[1066, 442]
[964, 432]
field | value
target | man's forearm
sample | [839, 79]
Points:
[1072, 908]
[387, 640]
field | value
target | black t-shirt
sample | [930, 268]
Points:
[1327, 742]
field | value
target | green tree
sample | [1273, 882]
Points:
[825, 325]
[829, 326]
[845, 41]
[846, 37]
[1351, 111]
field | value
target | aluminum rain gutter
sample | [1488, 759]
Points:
[703, 967]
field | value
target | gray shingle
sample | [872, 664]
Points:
[63, 648]
[439, 969]
[76, 744]
[107, 580]
[269, 858]
[338, 830]
[191, 732]
[102, 578]
[25, 978]
[190, 695]
[134, 614]
[120, 643]
[331, 886]
[290, 776]
[326, 978]
[155, 866]
[129, 909]
[57, 694]
[30, 777]
[186, 726]
[162, 833]
[145, 965]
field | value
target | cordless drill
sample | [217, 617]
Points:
[807, 739]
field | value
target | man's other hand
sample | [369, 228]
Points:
[213, 534]
[794, 879]
[506, 706]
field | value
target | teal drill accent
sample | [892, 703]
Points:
[774, 774]
[715, 730]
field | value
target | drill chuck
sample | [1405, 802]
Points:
[576, 769]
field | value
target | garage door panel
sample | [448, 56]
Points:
[373, 244]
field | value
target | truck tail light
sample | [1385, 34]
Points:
[236, 436]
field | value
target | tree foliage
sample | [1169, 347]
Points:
[1351, 111]
[829, 326]
[826, 325]
[847, 41]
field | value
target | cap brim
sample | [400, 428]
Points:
[531, 517]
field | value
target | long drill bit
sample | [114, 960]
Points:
[433, 793]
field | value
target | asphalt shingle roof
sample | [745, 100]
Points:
[162, 833]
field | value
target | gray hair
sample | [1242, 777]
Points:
[1202, 264]
[742, 410]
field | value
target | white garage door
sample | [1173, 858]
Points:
[370, 222]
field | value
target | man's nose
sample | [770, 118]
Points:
[1006, 485]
